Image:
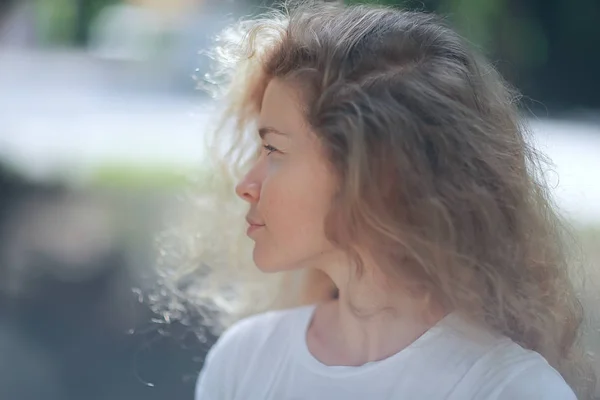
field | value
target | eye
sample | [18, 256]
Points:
[270, 149]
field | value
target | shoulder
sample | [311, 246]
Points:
[239, 346]
[535, 380]
[258, 330]
[497, 368]
[509, 371]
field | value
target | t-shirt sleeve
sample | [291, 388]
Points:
[537, 382]
[225, 369]
[209, 385]
[217, 378]
[221, 370]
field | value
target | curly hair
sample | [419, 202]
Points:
[438, 177]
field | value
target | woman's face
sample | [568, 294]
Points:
[289, 188]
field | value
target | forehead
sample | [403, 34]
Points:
[281, 109]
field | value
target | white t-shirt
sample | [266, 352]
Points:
[265, 357]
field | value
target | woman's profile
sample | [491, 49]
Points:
[390, 190]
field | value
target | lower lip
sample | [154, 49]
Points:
[253, 228]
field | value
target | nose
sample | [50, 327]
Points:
[248, 188]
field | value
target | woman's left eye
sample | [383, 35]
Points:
[270, 149]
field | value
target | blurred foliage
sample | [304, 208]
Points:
[548, 48]
[56, 20]
[68, 21]
[132, 177]
[4, 6]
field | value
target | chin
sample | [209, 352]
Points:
[269, 267]
[270, 264]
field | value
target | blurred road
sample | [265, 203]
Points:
[70, 112]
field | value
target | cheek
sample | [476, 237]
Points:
[293, 204]
[294, 207]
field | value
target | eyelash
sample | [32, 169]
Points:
[270, 149]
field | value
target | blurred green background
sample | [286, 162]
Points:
[547, 48]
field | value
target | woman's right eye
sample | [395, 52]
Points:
[269, 148]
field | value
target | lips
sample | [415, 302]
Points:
[253, 226]
[252, 221]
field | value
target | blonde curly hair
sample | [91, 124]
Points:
[438, 176]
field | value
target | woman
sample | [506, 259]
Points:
[395, 179]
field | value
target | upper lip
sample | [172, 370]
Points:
[253, 222]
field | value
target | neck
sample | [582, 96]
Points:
[369, 321]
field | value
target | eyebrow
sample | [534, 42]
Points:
[262, 132]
